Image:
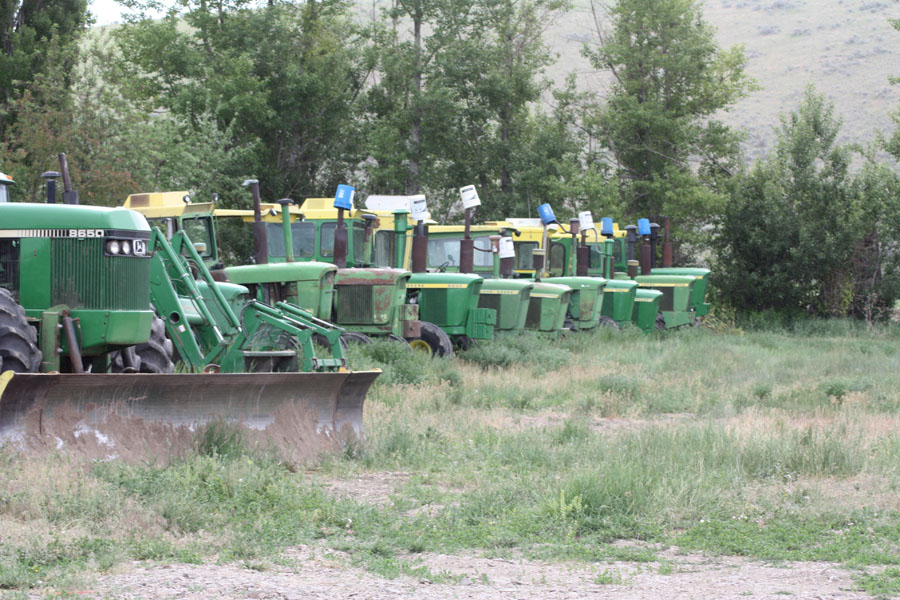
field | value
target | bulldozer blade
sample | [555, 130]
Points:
[134, 417]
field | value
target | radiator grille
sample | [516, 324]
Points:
[433, 305]
[489, 301]
[533, 319]
[83, 277]
[667, 302]
[354, 304]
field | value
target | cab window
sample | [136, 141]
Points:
[326, 238]
[384, 249]
[597, 256]
[525, 255]
[303, 239]
[199, 231]
[359, 242]
[557, 259]
[443, 251]
[483, 259]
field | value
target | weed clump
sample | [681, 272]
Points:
[400, 364]
[526, 348]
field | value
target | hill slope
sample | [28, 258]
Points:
[846, 48]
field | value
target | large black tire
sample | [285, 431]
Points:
[354, 337]
[608, 322]
[400, 340]
[19, 350]
[433, 340]
[660, 322]
[155, 355]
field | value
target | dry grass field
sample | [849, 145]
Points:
[717, 462]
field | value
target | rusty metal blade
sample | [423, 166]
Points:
[140, 416]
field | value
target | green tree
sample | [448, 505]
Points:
[455, 105]
[281, 79]
[26, 30]
[801, 232]
[669, 81]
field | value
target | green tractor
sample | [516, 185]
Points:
[683, 292]
[520, 304]
[86, 363]
[453, 301]
[374, 295]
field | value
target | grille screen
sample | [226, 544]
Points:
[433, 305]
[354, 304]
[667, 302]
[489, 301]
[83, 277]
[533, 320]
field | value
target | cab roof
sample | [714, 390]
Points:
[167, 204]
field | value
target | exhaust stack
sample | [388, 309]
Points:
[70, 196]
[644, 232]
[260, 238]
[667, 246]
[50, 177]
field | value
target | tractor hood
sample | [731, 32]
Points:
[442, 280]
[278, 272]
[25, 215]
[371, 276]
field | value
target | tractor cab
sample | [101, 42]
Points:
[450, 300]
[5, 183]
[176, 211]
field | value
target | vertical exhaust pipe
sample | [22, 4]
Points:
[419, 248]
[667, 246]
[471, 202]
[505, 257]
[343, 200]
[50, 177]
[606, 230]
[574, 228]
[654, 236]
[630, 241]
[644, 233]
[260, 237]
[286, 229]
[70, 196]
[467, 246]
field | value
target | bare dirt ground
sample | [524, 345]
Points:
[306, 572]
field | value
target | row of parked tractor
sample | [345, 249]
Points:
[97, 305]
[388, 270]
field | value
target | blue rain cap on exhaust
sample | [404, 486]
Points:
[643, 226]
[546, 214]
[606, 226]
[344, 197]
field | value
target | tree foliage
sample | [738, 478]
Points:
[801, 232]
[27, 28]
[659, 121]
[282, 80]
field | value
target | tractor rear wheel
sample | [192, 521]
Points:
[354, 337]
[432, 340]
[660, 322]
[608, 322]
[19, 349]
[154, 355]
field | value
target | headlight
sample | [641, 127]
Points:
[126, 247]
[112, 247]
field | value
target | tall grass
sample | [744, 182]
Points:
[758, 442]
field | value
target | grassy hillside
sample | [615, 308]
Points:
[846, 48]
